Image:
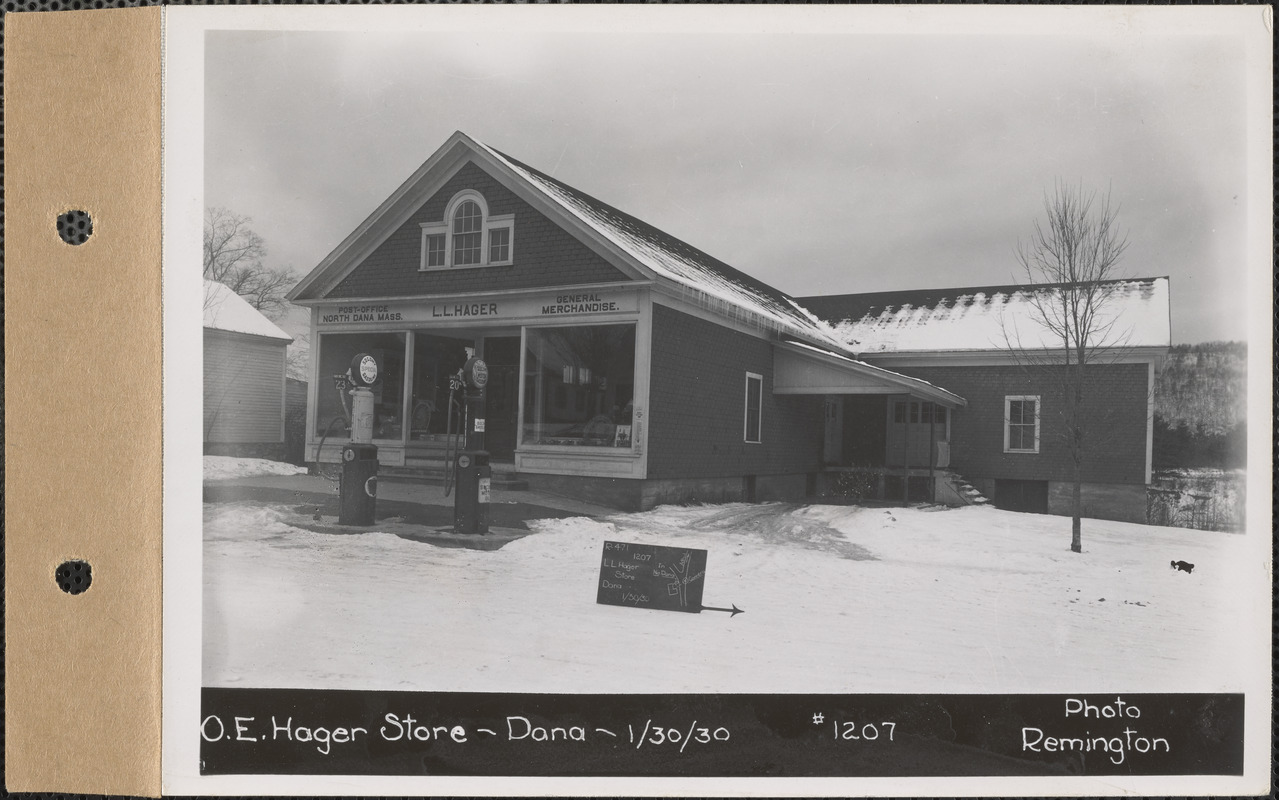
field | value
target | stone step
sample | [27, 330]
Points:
[504, 475]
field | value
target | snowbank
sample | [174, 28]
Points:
[222, 467]
[837, 599]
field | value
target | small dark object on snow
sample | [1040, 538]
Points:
[1183, 566]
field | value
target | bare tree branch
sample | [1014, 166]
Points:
[234, 256]
[1072, 262]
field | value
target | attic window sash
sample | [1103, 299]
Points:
[468, 236]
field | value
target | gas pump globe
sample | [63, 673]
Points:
[358, 489]
[474, 475]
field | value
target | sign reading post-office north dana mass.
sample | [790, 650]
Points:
[482, 308]
[651, 576]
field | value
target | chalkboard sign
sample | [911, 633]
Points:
[649, 576]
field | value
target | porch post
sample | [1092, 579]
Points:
[932, 450]
[906, 454]
[406, 409]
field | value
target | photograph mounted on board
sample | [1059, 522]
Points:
[923, 357]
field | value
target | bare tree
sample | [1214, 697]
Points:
[234, 256]
[298, 358]
[1077, 249]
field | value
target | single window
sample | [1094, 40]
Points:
[1021, 424]
[932, 413]
[499, 245]
[468, 227]
[754, 406]
[435, 250]
[899, 413]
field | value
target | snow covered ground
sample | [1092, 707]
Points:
[837, 599]
[222, 467]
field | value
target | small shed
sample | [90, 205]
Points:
[244, 377]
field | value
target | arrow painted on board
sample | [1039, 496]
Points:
[732, 612]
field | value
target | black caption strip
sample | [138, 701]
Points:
[283, 731]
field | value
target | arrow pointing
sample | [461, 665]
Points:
[732, 612]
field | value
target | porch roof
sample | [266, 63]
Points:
[801, 368]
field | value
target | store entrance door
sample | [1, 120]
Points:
[502, 354]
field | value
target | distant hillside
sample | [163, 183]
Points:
[1201, 406]
[1203, 385]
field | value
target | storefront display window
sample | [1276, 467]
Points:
[579, 385]
[435, 360]
[336, 352]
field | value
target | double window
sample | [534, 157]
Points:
[468, 236]
[1021, 423]
[919, 413]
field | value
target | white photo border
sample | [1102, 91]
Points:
[183, 157]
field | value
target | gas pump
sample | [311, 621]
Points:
[358, 488]
[474, 475]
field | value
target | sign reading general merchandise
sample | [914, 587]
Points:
[507, 307]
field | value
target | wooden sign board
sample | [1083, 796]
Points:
[650, 576]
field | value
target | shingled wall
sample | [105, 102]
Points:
[544, 253]
[697, 405]
[1115, 396]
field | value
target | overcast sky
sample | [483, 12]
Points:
[818, 163]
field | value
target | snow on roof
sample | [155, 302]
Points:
[224, 310]
[676, 260]
[1135, 314]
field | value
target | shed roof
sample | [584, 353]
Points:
[987, 317]
[224, 310]
[793, 373]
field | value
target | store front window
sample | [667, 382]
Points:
[336, 352]
[435, 360]
[579, 384]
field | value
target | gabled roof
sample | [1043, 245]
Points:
[986, 317]
[640, 248]
[675, 260]
[224, 310]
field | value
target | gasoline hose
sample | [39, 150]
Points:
[322, 438]
[450, 443]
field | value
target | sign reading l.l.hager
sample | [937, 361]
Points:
[563, 304]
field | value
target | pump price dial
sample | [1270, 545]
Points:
[464, 461]
[364, 369]
[477, 372]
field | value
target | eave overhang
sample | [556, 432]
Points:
[800, 368]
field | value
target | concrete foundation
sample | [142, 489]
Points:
[273, 451]
[1117, 501]
[627, 494]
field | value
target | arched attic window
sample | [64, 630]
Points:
[468, 236]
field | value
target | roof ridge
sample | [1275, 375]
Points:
[729, 269]
[682, 264]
